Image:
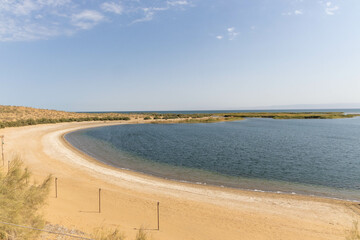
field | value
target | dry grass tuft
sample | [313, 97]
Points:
[108, 234]
[115, 234]
[141, 235]
[354, 232]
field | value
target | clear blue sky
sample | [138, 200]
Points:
[178, 54]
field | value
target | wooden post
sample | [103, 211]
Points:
[99, 200]
[8, 166]
[2, 150]
[158, 216]
[56, 188]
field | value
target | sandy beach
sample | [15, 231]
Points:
[187, 211]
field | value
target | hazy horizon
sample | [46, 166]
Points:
[347, 106]
[280, 107]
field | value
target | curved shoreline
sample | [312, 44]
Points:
[188, 211]
[296, 189]
[173, 183]
[143, 178]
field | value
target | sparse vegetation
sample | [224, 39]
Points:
[20, 202]
[141, 235]
[28, 122]
[292, 115]
[115, 234]
[11, 116]
[181, 115]
[108, 234]
[354, 232]
[210, 120]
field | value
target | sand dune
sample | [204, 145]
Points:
[188, 211]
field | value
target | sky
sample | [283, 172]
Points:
[147, 55]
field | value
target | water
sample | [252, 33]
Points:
[346, 111]
[315, 157]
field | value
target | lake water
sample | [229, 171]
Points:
[313, 157]
[346, 111]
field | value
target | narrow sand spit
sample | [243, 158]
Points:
[187, 211]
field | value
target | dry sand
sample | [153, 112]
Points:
[187, 211]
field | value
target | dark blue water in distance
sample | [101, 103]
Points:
[314, 157]
[346, 111]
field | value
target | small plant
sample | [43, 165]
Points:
[115, 234]
[141, 234]
[20, 202]
[147, 118]
[354, 232]
[108, 234]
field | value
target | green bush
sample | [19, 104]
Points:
[20, 202]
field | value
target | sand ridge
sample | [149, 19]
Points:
[188, 211]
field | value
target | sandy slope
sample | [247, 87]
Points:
[187, 211]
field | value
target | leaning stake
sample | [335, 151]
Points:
[2, 149]
[158, 215]
[99, 200]
[56, 188]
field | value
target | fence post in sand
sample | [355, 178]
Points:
[8, 166]
[158, 216]
[2, 149]
[56, 194]
[99, 200]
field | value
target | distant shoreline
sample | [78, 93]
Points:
[22, 116]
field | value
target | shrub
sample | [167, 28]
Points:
[20, 202]
[147, 118]
[31, 121]
[141, 235]
[108, 234]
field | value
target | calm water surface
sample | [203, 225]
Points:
[346, 111]
[316, 157]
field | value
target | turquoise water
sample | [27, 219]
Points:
[316, 157]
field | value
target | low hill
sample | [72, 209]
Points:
[14, 116]
[15, 113]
